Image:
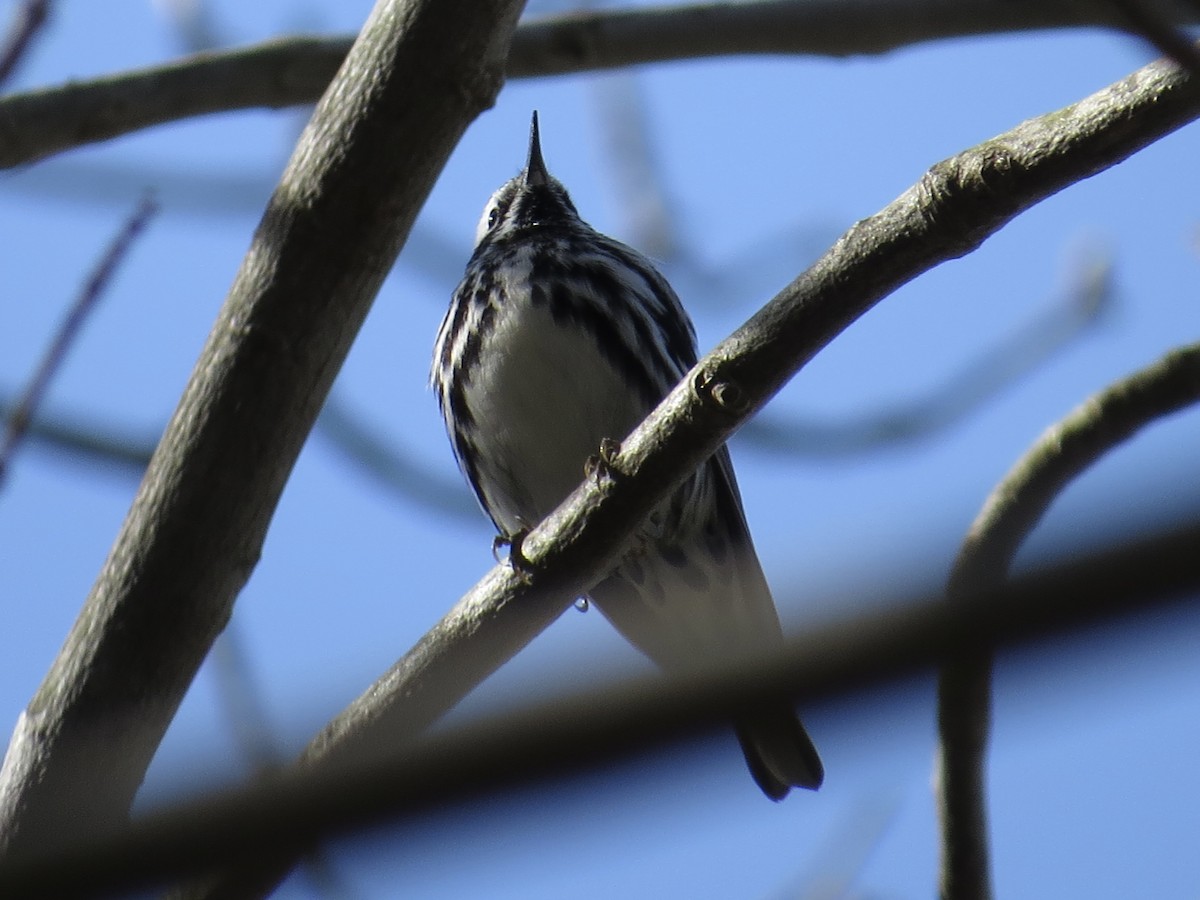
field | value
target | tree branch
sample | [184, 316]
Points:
[344, 206]
[1155, 27]
[29, 18]
[97, 443]
[126, 451]
[629, 721]
[1010, 358]
[391, 466]
[1064, 452]
[23, 410]
[954, 207]
[295, 71]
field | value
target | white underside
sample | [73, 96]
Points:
[543, 397]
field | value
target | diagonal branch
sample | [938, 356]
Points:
[1010, 358]
[949, 212]
[390, 465]
[29, 19]
[295, 71]
[21, 416]
[343, 208]
[1143, 19]
[1064, 452]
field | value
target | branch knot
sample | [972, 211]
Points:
[726, 396]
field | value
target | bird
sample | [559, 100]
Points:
[557, 340]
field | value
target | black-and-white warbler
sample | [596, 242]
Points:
[559, 337]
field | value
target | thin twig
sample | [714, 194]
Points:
[30, 400]
[1011, 358]
[840, 859]
[31, 17]
[1012, 510]
[241, 699]
[391, 466]
[1143, 20]
[242, 703]
[125, 451]
[194, 23]
[637, 185]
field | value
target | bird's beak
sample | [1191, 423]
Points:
[535, 167]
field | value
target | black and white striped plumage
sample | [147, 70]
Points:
[559, 337]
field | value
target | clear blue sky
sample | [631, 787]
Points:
[765, 162]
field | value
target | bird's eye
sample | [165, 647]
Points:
[493, 217]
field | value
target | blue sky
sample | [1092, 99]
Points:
[764, 162]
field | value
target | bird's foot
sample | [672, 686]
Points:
[513, 556]
[603, 464]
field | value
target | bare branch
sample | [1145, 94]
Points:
[841, 858]
[276, 74]
[242, 702]
[390, 465]
[195, 23]
[954, 207]
[332, 230]
[246, 714]
[30, 17]
[295, 71]
[636, 181]
[634, 720]
[1144, 20]
[128, 452]
[1064, 452]
[28, 403]
[985, 375]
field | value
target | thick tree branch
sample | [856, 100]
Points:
[633, 720]
[419, 73]
[295, 71]
[948, 213]
[1064, 452]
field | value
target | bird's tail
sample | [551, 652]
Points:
[778, 751]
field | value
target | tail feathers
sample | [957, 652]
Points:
[778, 751]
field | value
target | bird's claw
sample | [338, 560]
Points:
[513, 557]
[603, 464]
